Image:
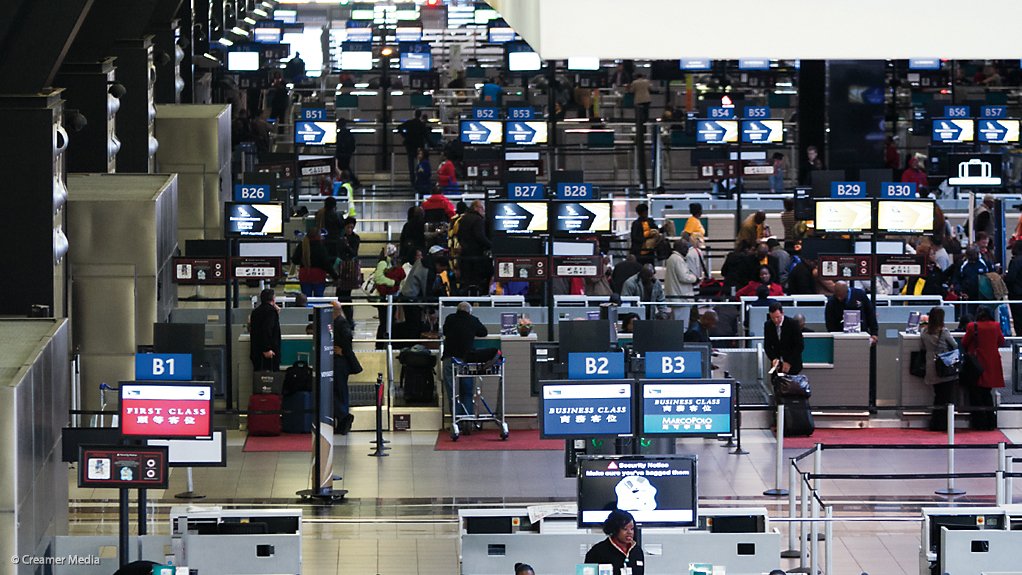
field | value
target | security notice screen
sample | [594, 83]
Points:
[166, 411]
[656, 490]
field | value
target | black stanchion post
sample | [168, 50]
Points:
[122, 539]
[738, 420]
[380, 442]
[141, 511]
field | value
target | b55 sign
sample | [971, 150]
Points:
[166, 411]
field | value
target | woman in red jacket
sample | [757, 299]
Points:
[983, 337]
[446, 175]
[915, 174]
[764, 280]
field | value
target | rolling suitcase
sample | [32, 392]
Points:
[798, 419]
[297, 416]
[417, 375]
[264, 414]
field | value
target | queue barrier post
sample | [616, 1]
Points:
[190, 493]
[380, 449]
[777, 490]
[791, 552]
[817, 471]
[999, 480]
[950, 490]
[803, 530]
[814, 530]
[738, 420]
[1009, 466]
[828, 546]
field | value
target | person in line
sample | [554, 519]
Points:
[788, 219]
[695, 258]
[967, 277]
[777, 178]
[294, 70]
[892, 157]
[679, 279]
[447, 174]
[427, 280]
[491, 93]
[647, 288]
[315, 264]
[344, 152]
[413, 235]
[438, 202]
[983, 337]
[984, 216]
[475, 265]
[812, 164]
[624, 270]
[847, 298]
[782, 341]
[345, 364]
[1013, 281]
[936, 339]
[329, 224]
[460, 330]
[752, 229]
[619, 548]
[279, 98]
[699, 331]
[694, 225]
[802, 277]
[262, 130]
[415, 133]
[422, 178]
[347, 253]
[640, 88]
[387, 278]
[801, 319]
[264, 333]
[915, 174]
[643, 229]
[773, 289]
[524, 569]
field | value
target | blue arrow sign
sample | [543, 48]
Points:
[993, 112]
[897, 190]
[314, 114]
[721, 112]
[711, 132]
[998, 131]
[309, 133]
[949, 131]
[485, 113]
[474, 133]
[764, 132]
[519, 133]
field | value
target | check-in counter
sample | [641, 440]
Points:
[518, 398]
[914, 392]
[837, 365]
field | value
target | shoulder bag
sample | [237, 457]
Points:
[971, 369]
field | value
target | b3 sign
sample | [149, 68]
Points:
[163, 366]
[674, 365]
[596, 365]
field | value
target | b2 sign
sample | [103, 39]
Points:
[897, 190]
[163, 367]
[674, 365]
[596, 365]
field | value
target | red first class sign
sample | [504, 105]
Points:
[166, 410]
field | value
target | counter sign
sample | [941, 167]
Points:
[166, 411]
[586, 409]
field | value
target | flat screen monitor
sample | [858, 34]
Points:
[253, 220]
[356, 61]
[998, 131]
[242, 61]
[519, 217]
[573, 409]
[416, 61]
[657, 335]
[524, 62]
[583, 337]
[820, 181]
[166, 410]
[196, 452]
[525, 133]
[581, 217]
[956, 131]
[689, 408]
[974, 170]
[813, 247]
[264, 250]
[562, 248]
[358, 34]
[500, 35]
[266, 35]
[480, 132]
[583, 63]
[658, 490]
[286, 16]
[905, 216]
[843, 216]
[883, 247]
[187, 338]
[408, 34]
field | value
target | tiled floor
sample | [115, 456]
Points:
[399, 516]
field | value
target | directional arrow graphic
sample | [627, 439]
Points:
[521, 133]
[248, 219]
[309, 133]
[992, 131]
[946, 130]
[476, 132]
[576, 217]
[755, 132]
[513, 217]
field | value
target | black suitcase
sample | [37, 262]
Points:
[798, 419]
[297, 413]
[418, 384]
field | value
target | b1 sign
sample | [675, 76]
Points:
[163, 366]
[596, 365]
[674, 365]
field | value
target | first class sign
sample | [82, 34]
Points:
[166, 411]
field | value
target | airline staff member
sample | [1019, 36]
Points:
[619, 548]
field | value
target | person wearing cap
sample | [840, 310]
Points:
[460, 330]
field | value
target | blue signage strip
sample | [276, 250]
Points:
[993, 112]
[924, 64]
[586, 409]
[163, 366]
[310, 133]
[596, 365]
[674, 365]
[846, 190]
[957, 112]
[756, 113]
[695, 409]
[525, 192]
[753, 64]
[695, 64]
[898, 190]
[314, 114]
[566, 191]
[485, 113]
[720, 112]
[521, 113]
[251, 193]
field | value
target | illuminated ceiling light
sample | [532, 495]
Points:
[225, 42]
[240, 31]
[387, 52]
[250, 21]
[261, 13]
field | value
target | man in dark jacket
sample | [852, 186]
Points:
[782, 341]
[699, 331]
[416, 136]
[344, 152]
[847, 298]
[264, 333]
[623, 271]
[800, 278]
[643, 228]
[344, 362]
[475, 265]
[460, 330]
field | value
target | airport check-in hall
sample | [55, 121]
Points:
[454, 287]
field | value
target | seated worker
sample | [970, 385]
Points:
[847, 298]
[619, 548]
[699, 331]
[765, 276]
[460, 330]
[782, 341]
[524, 569]
[647, 288]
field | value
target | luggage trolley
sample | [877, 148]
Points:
[492, 369]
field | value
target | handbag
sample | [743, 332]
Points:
[971, 369]
[349, 275]
[787, 385]
[948, 363]
[354, 367]
[917, 363]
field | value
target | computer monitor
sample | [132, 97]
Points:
[843, 216]
[187, 338]
[905, 216]
[658, 490]
[820, 181]
[242, 61]
[657, 335]
[583, 337]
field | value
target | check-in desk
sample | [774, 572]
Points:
[493, 540]
[237, 541]
[837, 365]
[518, 399]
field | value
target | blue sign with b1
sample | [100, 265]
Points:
[674, 365]
[690, 408]
[898, 190]
[485, 113]
[251, 193]
[596, 365]
[163, 366]
[525, 191]
[314, 114]
[586, 409]
[846, 190]
[568, 191]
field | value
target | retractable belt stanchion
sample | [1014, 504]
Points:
[950, 490]
[777, 491]
[791, 552]
[814, 530]
[738, 419]
[190, 494]
[381, 444]
[828, 546]
[999, 479]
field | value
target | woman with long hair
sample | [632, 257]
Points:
[314, 264]
[983, 337]
[936, 339]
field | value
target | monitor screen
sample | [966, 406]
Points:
[162, 410]
[583, 337]
[974, 169]
[358, 34]
[408, 34]
[356, 61]
[660, 335]
[581, 217]
[481, 132]
[242, 61]
[498, 35]
[416, 61]
[691, 408]
[519, 217]
[526, 133]
[523, 62]
[196, 452]
[586, 408]
[905, 216]
[264, 250]
[583, 63]
[253, 219]
[843, 216]
[562, 248]
[658, 490]
[286, 16]
[266, 35]
[998, 131]
[948, 131]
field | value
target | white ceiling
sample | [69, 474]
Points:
[780, 29]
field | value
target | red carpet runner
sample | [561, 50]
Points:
[892, 436]
[489, 440]
[296, 442]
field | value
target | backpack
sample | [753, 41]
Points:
[298, 377]
[662, 249]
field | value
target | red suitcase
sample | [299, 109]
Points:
[264, 414]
